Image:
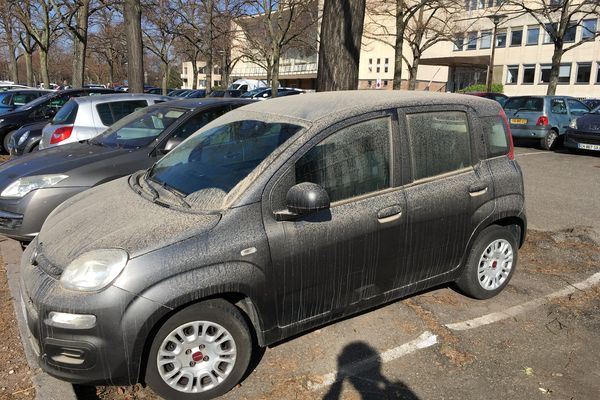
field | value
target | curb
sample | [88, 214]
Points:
[46, 387]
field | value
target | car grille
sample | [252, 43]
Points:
[9, 220]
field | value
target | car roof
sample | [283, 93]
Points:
[206, 101]
[340, 104]
[25, 90]
[111, 98]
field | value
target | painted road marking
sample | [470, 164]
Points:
[532, 153]
[521, 308]
[426, 339]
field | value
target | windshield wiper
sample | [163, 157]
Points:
[178, 195]
[153, 191]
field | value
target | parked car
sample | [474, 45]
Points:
[26, 139]
[245, 85]
[591, 103]
[276, 218]
[83, 118]
[266, 93]
[12, 99]
[499, 97]
[34, 184]
[195, 94]
[543, 117]
[4, 86]
[584, 132]
[41, 109]
[156, 91]
[226, 93]
[176, 92]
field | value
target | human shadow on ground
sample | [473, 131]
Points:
[360, 365]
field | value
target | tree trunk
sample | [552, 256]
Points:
[111, 73]
[556, 57]
[339, 50]
[80, 44]
[209, 44]
[412, 71]
[399, 45]
[194, 74]
[10, 43]
[275, 73]
[44, 68]
[29, 68]
[132, 14]
[165, 79]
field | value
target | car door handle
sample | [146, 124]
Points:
[389, 214]
[478, 189]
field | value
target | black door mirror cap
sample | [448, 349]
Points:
[306, 198]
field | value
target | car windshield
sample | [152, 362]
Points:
[525, 104]
[36, 102]
[252, 92]
[214, 160]
[140, 128]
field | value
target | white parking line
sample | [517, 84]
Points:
[521, 308]
[532, 153]
[426, 339]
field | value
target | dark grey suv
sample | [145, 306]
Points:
[273, 219]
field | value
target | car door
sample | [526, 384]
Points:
[448, 192]
[329, 260]
[576, 109]
[559, 114]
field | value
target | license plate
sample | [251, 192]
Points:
[519, 121]
[586, 146]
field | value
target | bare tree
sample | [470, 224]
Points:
[7, 24]
[29, 47]
[273, 27]
[159, 38]
[132, 14]
[108, 44]
[559, 19]
[339, 52]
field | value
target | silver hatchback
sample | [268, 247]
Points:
[82, 118]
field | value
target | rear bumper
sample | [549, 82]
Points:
[576, 139]
[529, 131]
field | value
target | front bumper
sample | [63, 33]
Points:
[577, 139]
[108, 352]
[529, 131]
[22, 219]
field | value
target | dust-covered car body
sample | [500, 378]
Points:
[277, 217]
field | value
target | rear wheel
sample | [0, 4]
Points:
[491, 263]
[200, 353]
[549, 141]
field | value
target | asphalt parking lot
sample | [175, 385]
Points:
[539, 339]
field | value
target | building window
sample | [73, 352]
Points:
[564, 73]
[458, 42]
[588, 29]
[570, 33]
[378, 61]
[385, 69]
[501, 39]
[490, 3]
[370, 61]
[528, 74]
[378, 69]
[549, 28]
[533, 34]
[185, 70]
[598, 72]
[472, 41]
[545, 73]
[385, 83]
[387, 61]
[512, 74]
[516, 37]
[369, 83]
[486, 40]
[584, 71]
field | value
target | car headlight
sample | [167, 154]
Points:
[23, 138]
[94, 270]
[22, 186]
[573, 124]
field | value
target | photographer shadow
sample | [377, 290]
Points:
[360, 365]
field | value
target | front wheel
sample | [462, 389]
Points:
[200, 353]
[491, 263]
[6, 141]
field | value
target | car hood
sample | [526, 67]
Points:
[589, 122]
[62, 159]
[114, 216]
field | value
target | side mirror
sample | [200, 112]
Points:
[171, 144]
[307, 198]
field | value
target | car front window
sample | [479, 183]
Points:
[216, 159]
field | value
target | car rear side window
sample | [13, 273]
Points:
[112, 112]
[496, 136]
[66, 115]
[558, 106]
[350, 162]
[439, 142]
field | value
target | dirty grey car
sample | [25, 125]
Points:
[82, 118]
[543, 117]
[276, 218]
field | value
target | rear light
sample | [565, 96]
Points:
[542, 121]
[511, 146]
[61, 134]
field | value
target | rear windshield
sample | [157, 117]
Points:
[66, 115]
[112, 112]
[525, 104]
[497, 141]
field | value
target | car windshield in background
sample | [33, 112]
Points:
[252, 92]
[40, 100]
[525, 104]
[219, 158]
[140, 128]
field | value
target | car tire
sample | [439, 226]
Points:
[6, 141]
[491, 263]
[550, 140]
[202, 324]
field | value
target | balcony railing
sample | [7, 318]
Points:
[284, 70]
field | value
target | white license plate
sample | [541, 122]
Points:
[586, 146]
